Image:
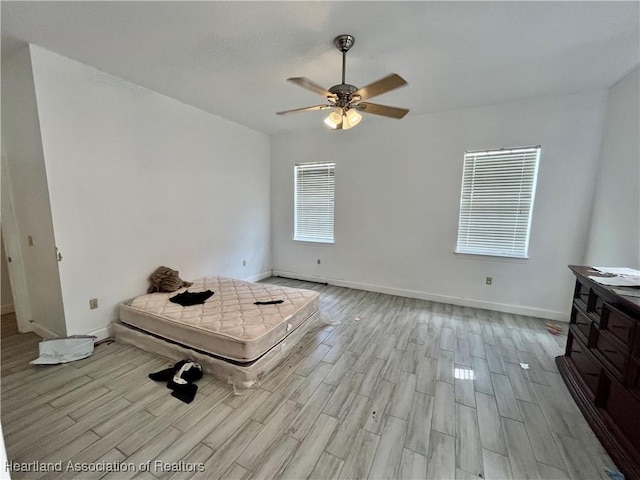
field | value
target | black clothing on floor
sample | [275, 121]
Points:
[166, 374]
[180, 379]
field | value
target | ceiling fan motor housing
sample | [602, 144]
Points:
[343, 91]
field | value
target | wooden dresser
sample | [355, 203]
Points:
[601, 367]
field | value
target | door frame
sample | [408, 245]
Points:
[11, 238]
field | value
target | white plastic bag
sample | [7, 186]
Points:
[64, 350]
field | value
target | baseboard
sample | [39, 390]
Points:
[432, 297]
[8, 308]
[258, 276]
[43, 332]
[101, 333]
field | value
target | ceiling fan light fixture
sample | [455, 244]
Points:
[350, 118]
[335, 118]
[330, 124]
[354, 117]
[346, 123]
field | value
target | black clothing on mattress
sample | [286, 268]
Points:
[186, 299]
[270, 302]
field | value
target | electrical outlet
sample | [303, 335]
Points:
[489, 280]
[318, 261]
[244, 263]
[93, 303]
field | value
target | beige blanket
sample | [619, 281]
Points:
[165, 279]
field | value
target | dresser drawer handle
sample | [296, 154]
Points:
[611, 351]
[593, 374]
[619, 326]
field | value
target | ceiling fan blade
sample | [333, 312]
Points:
[311, 85]
[305, 109]
[386, 84]
[384, 110]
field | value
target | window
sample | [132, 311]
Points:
[496, 203]
[314, 200]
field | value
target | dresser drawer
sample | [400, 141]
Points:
[582, 323]
[612, 350]
[596, 305]
[588, 367]
[581, 294]
[621, 325]
[624, 410]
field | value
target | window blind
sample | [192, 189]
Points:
[496, 203]
[314, 202]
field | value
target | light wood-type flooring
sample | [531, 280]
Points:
[8, 325]
[400, 388]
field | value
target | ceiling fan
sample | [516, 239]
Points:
[345, 100]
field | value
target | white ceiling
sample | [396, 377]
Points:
[232, 58]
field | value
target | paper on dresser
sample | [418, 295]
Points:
[630, 281]
[628, 292]
[618, 270]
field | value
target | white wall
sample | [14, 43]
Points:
[398, 194]
[139, 180]
[614, 234]
[22, 149]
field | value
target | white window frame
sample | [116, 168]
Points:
[504, 178]
[319, 227]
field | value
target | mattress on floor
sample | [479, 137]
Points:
[228, 324]
[240, 375]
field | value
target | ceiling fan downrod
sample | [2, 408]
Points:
[344, 43]
[343, 91]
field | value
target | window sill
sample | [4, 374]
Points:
[314, 242]
[490, 258]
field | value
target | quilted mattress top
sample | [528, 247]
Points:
[228, 323]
